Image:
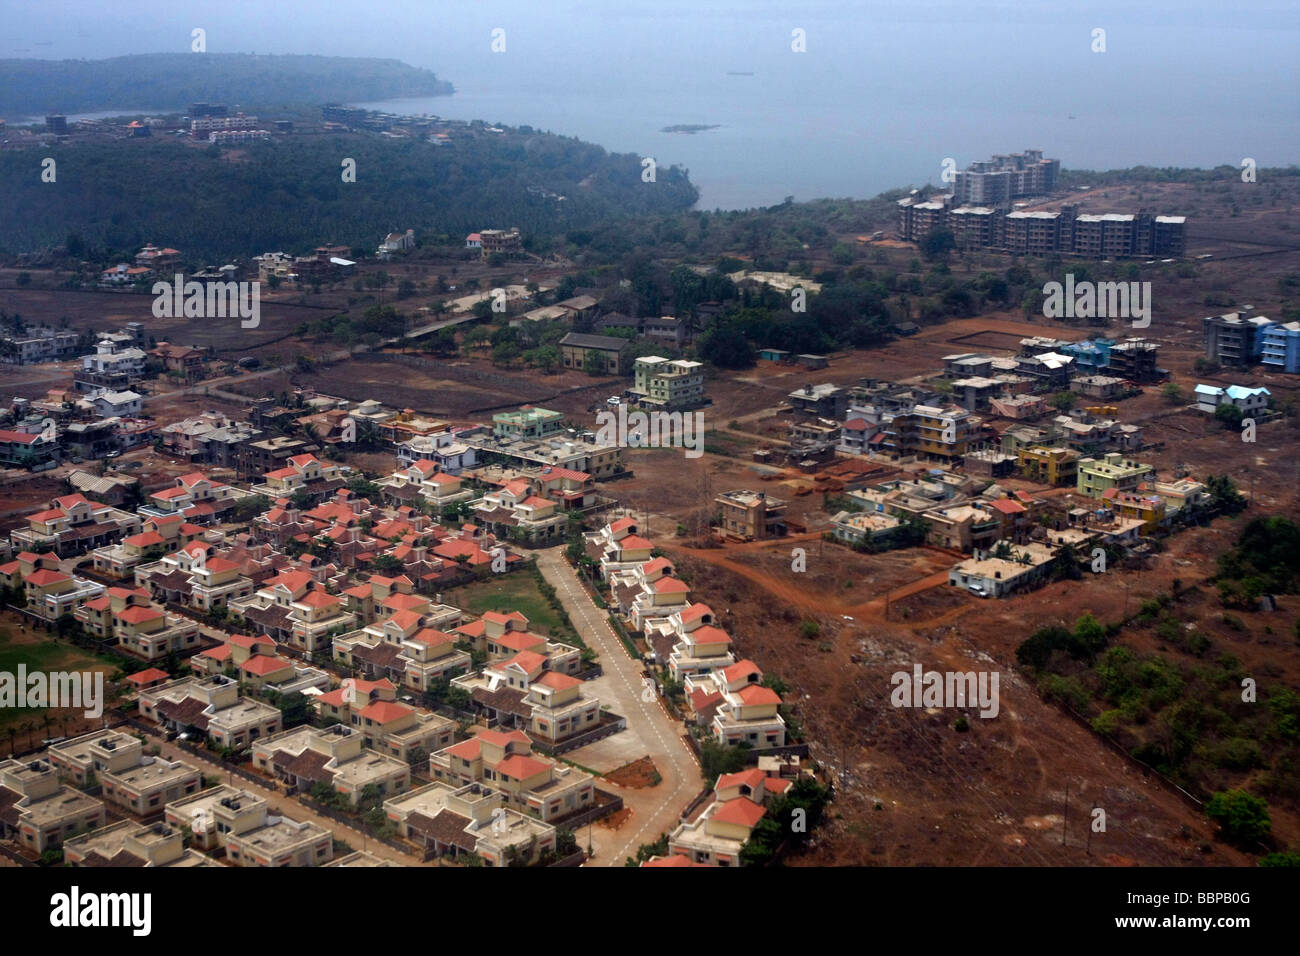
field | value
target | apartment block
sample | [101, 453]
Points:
[668, 384]
[1095, 476]
[750, 515]
[1235, 338]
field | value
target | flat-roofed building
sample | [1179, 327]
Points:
[751, 515]
[37, 811]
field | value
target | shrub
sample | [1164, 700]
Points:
[1243, 817]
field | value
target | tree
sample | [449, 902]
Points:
[1063, 401]
[546, 359]
[387, 565]
[938, 243]
[726, 347]
[294, 709]
[1173, 394]
[648, 850]
[506, 353]
[1243, 817]
[1229, 416]
[1223, 494]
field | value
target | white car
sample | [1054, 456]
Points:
[614, 400]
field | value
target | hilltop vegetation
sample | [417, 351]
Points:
[287, 193]
[163, 81]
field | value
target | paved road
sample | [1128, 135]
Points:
[656, 809]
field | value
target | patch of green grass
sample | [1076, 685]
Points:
[43, 654]
[509, 592]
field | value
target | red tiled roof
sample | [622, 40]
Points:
[757, 694]
[45, 576]
[752, 778]
[384, 711]
[557, 680]
[138, 615]
[708, 634]
[741, 669]
[263, 664]
[529, 661]
[741, 811]
[146, 676]
[519, 767]
[676, 860]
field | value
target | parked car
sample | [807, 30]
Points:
[614, 400]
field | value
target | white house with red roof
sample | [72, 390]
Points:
[648, 591]
[522, 691]
[514, 509]
[152, 540]
[571, 490]
[617, 546]
[196, 574]
[689, 642]
[743, 710]
[413, 645]
[295, 608]
[504, 761]
[195, 496]
[300, 473]
[73, 524]
[395, 729]
[139, 627]
[500, 635]
[426, 479]
[49, 592]
[716, 835]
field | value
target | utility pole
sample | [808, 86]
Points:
[1065, 817]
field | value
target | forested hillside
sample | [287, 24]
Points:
[288, 193]
[171, 81]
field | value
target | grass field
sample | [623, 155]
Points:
[35, 650]
[509, 592]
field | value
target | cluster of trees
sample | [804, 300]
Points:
[1265, 560]
[1186, 718]
[120, 197]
